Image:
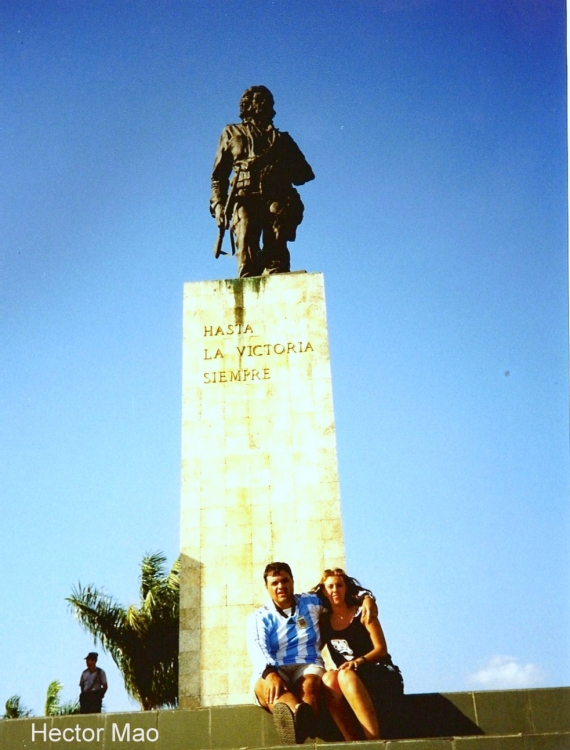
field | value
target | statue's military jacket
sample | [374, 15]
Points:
[264, 162]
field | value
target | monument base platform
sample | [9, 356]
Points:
[537, 719]
[259, 466]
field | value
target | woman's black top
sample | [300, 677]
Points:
[349, 643]
[382, 678]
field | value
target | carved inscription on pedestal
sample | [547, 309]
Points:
[257, 354]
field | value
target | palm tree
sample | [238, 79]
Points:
[143, 640]
[14, 708]
[53, 705]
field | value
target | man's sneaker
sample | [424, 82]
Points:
[304, 723]
[284, 721]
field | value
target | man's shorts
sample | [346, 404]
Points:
[291, 673]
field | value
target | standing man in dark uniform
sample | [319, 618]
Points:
[93, 684]
[261, 201]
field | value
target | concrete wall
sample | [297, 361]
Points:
[494, 720]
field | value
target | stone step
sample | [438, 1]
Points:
[547, 741]
[536, 719]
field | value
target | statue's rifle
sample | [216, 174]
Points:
[227, 217]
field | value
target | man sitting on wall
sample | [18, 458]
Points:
[283, 640]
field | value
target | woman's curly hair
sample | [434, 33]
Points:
[354, 590]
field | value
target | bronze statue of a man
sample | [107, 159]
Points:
[260, 201]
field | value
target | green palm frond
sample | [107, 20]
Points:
[52, 698]
[15, 709]
[68, 708]
[53, 704]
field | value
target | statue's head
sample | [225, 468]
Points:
[257, 103]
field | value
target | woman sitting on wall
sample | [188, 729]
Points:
[365, 677]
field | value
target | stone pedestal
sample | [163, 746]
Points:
[259, 465]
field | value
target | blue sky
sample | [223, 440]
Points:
[437, 133]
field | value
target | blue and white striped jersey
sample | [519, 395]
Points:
[274, 639]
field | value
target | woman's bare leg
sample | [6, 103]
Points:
[339, 708]
[360, 701]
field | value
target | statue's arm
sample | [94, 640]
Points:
[300, 169]
[221, 173]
